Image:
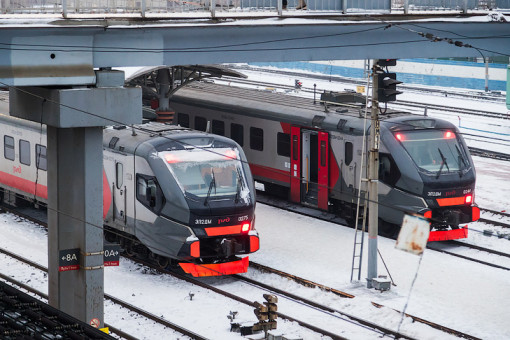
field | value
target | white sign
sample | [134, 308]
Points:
[413, 235]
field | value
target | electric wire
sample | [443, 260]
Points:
[149, 132]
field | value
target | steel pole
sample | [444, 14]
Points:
[373, 168]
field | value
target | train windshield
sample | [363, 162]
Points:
[208, 174]
[435, 151]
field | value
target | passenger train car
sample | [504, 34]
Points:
[312, 153]
[182, 196]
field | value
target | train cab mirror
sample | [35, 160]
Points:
[149, 193]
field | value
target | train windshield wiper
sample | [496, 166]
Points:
[462, 161]
[240, 185]
[443, 163]
[211, 185]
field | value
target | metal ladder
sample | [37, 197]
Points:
[358, 245]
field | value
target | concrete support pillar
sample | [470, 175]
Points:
[75, 118]
[75, 205]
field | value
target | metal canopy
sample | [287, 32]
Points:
[65, 52]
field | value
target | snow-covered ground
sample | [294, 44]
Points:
[462, 295]
[469, 297]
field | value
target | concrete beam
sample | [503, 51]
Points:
[79, 46]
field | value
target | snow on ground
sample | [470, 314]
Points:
[466, 296]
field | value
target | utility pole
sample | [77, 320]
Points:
[373, 179]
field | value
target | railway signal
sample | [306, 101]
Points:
[387, 87]
[272, 308]
[261, 311]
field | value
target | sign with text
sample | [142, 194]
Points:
[111, 255]
[69, 259]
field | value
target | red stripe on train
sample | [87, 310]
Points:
[24, 185]
[270, 173]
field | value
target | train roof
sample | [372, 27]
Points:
[346, 116]
[127, 139]
[342, 111]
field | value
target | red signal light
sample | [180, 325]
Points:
[468, 199]
[428, 214]
[245, 228]
[231, 154]
[399, 136]
[171, 158]
[449, 135]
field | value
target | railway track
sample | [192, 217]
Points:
[335, 219]
[145, 314]
[407, 87]
[281, 292]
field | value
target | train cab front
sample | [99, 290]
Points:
[218, 189]
[448, 179]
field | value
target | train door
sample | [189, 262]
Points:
[295, 165]
[119, 196]
[314, 168]
[323, 170]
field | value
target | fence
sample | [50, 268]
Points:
[211, 7]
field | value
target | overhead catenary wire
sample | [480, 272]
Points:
[148, 132]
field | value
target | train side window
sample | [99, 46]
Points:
[40, 157]
[283, 144]
[388, 170]
[24, 152]
[149, 193]
[348, 153]
[9, 147]
[119, 169]
[218, 127]
[200, 123]
[237, 133]
[256, 139]
[183, 119]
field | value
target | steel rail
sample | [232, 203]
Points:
[354, 81]
[42, 295]
[115, 300]
[233, 296]
[312, 284]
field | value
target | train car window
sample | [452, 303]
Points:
[388, 170]
[40, 157]
[256, 139]
[24, 152]
[237, 133]
[119, 174]
[200, 123]
[283, 144]
[348, 153]
[9, 147]
[148, 192]
[183, 119]
[323, 153]
[218, 127]
[295, 148]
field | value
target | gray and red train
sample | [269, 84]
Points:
[181, 196]
[311, 153]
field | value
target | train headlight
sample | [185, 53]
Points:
[245, 228]
[468, 199]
